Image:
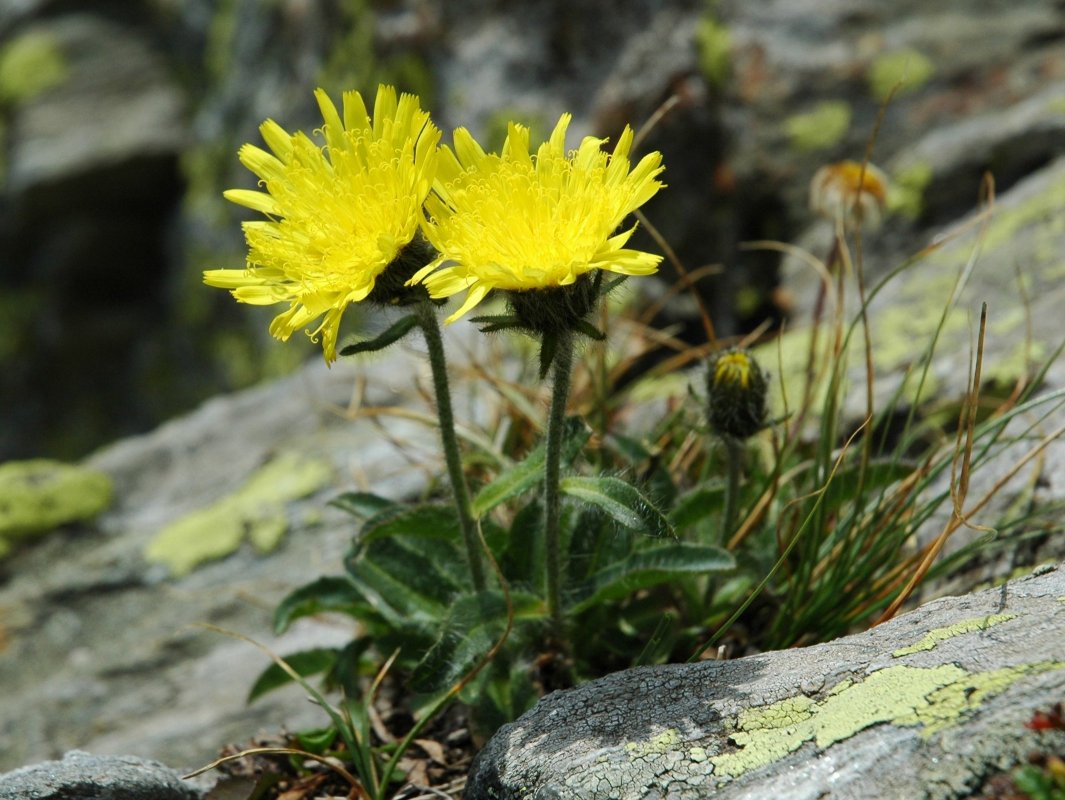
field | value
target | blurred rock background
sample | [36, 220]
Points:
[120, 120]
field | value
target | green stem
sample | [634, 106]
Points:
[552, 471]
[734, 464]
[434, 341]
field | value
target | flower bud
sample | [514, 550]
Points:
[736, 387]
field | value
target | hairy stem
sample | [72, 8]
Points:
[734, 465]
[563, 366]
[430, 326]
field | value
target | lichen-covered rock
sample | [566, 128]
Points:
[82, 775]
[923, 706]
[40, 495]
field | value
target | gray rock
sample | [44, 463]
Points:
[82, 776]
[924, 706]
[98, 647]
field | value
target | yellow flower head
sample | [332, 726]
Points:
[733, 369]
[336, 216]
[519, 222]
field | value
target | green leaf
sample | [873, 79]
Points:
[879, 474]
[645, 568]
[409, 581]
[306, 662]
[621, 501]
[496, 322]
[324, 594]
[432, 520]
[697, 504]
[589, 330]
[523, 476]
[361, 505]
[317, 741]
[473, 626]
[397, 331]
[608, 286]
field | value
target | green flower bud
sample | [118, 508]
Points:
[737, 388]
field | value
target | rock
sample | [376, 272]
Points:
[89, 195]
[924, 706]
[98, 644]
[80, 776]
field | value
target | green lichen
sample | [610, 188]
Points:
[697, 754]
[714, 44]
[820, 129]
[656, 745]
[38, 496]
[29, 65]
[937, 635]
[256, 512]
[907, 188]
[908, 69]
[933, 698]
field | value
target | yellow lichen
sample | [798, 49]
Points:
[715, 47]
[908, 185]
[937, 635]
[38, 496]
[820, 129]
[933, 698]
[656, 745]
[907, 69]
[256, 512]
[29, 65]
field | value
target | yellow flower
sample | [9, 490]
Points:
[336, 217]
[519, 222]
[733, 368]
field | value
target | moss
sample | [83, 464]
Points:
[29, 65]
[714, 45]
[38, 496]
[937, 635]
[255, 512]
[820, 129]
[932, 698]
[908, 185]
[908, 69]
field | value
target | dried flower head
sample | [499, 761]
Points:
[851, 191]
[336, 216]
[525, 223]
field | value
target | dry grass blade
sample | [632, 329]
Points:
[357, 790]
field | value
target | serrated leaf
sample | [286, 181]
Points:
[473, 626]
[431, 520]
[305, 663]
[697, 504]
[621, 501]
[362, 505]
[393, 334]
[409, 581]
[650, 567]
[324, 594]
[528, 473]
